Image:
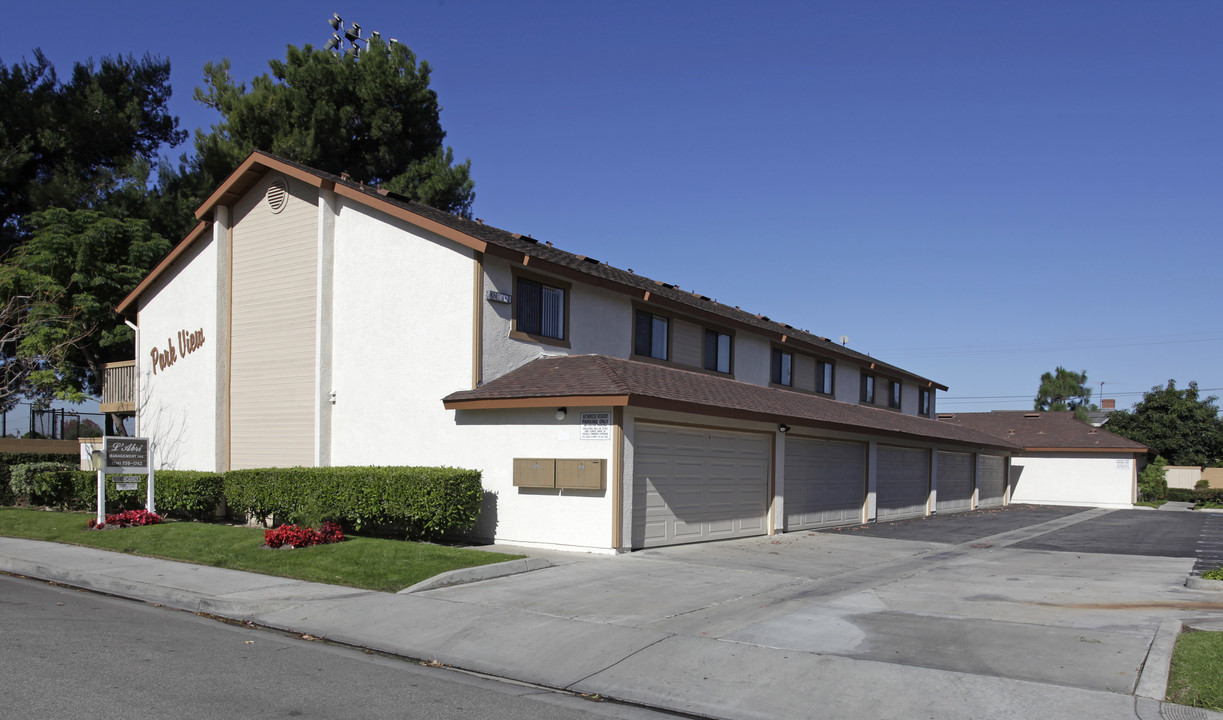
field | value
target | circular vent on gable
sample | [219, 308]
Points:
[277, 194]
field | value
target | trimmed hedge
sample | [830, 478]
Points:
[182, 493]
[24, 482]
[188, 493]
[1180, 495]
[424, 501]
[10, 460]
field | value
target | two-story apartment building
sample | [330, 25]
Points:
[308, 320]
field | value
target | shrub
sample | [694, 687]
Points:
[1152, 484]
[1209, 498]
[23, 482]
[423, 501]
[297, 537]
[1216, 574]
[188, 493]
[1181, 495]
[1202, 484]
[128, 518]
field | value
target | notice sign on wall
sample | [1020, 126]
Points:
[125, 455]
[596, 426]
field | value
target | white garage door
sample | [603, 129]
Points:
[825, 482]
[991, 484]
[902, 482]
[954, 481]
[693, 484]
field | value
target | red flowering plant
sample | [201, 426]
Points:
[298, 537]
[128, 518]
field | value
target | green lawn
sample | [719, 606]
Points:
[1197, 670]
[369, 563]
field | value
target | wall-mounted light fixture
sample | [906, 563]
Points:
[783, 428]
[560, 413]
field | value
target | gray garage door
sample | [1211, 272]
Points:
[693, 484]
[991, 483]
[825, 482]
[954, 481]
[902, 482]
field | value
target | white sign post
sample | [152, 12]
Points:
[123, 456]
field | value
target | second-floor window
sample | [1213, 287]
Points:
[894, 394]
[923, 402]
[867, 394]
[650, 335]
[717, 351]
[823, 377]
[539, 309]
[783, 367]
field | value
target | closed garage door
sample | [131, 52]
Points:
[954, 481]
[825, 482]
[991, 484]
[902, 482]
[693, 484]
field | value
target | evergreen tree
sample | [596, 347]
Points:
[1177, 424]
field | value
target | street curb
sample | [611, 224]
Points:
[1153, 682]
[463, 576]
[1199, 583]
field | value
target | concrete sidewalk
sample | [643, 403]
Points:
[736, 651]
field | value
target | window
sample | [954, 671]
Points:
[783, 366]
[539, 310]
[894, 394]
[923, 402]
[823, 377]
[650, 335]
[717, 351]
[868, 389]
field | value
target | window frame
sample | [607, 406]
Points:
[895, 395]
[638, 312]
[777, 369]
[544, 281]
[924, 396]
[730, 350]
[820, 364]
[865, 395]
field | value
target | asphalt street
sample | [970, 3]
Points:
[73, 654]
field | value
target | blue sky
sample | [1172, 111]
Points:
[977, 192]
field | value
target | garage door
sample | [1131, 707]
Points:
[825, 482]
[991, 484]
[694, 484]
[954, 481]
[902, 482]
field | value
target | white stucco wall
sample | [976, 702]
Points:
[401, 339]
[1088, 479]
[568, 519]
[179, 403]
[600, 322]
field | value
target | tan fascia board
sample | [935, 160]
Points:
[126, 307]
[399, 213]
[539, 402]
[240, 179]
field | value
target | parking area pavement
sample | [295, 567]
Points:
[1025, 593]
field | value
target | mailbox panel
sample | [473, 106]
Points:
[535, 472]
[580, 474]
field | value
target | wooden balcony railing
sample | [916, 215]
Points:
[119, 388]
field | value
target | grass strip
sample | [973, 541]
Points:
[1196, 677]
[360, 562]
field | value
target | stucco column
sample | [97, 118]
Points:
[328, 208]
[222, 235]
[872, 456]
[933, 497]
[779, 483]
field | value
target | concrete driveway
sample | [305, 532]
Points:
[1063, 596]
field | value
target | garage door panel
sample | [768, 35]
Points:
[991, 484]
[902, 482]
[825, 482]
[955, 475]
[692, 484]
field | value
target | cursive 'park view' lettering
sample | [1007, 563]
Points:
[188, 342]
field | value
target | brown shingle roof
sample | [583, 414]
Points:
[515, 247]
[1042, 430]
[599, 379]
